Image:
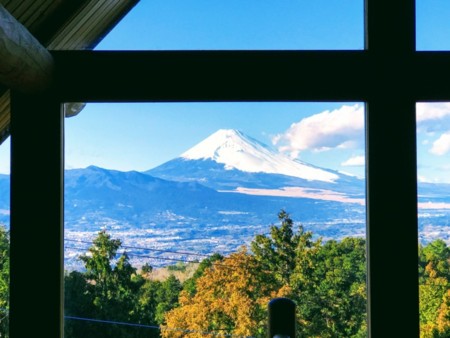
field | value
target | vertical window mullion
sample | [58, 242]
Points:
[390, 26]
[393, 300]
[36, 291]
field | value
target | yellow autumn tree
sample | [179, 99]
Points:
[440, 327]
[443, 320]
[434, 304]
[231, 298]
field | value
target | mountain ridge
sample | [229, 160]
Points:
[214, 163]
[235, 150]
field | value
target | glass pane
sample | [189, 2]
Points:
[180, 218]
[433, 146]
[241, 25]
[4, 236]
[432, 25]
[4, 182]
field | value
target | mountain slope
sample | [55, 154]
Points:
[187, 214]
[235, 150]
[228, 160]
[94, 193]
[144, 211]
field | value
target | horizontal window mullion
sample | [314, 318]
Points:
[211, 76]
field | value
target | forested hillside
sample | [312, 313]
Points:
[229, 295]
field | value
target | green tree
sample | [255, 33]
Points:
[147, 303]
[78, 302]
[331, 291]
[328, 282]
[279, 251]
[159, 297]
[4, 282]
[167, 297]
[110, 292]
[146, 268]
[436, 256]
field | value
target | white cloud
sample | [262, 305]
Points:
[424, 179]
[433, 117]
[340, 128]
[432, 111]
[355, 161]
[442, 145]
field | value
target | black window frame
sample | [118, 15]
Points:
[390, 76]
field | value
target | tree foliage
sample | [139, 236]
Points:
[326, 281]
[331, 291]
[190, 285]
[279, 251]
[4, 282]
[231, 299]
[434, 290]
[108, 290]
[229, 295]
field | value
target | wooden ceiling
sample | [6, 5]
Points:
[62, 25]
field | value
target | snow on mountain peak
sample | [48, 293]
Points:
[217, 143]
[237, 151]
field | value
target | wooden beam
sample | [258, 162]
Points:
[26, 65]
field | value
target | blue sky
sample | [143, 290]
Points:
[432, 25]
[240, 24]
[141, 136]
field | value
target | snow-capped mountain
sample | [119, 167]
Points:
[236, 150]
[229, 160]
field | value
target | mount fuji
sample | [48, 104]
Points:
[235, 150]
[227, 178]
[229, 160]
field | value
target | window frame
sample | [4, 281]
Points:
[375, 76]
